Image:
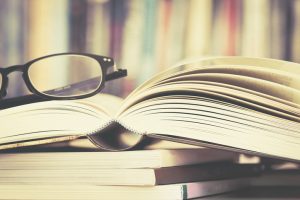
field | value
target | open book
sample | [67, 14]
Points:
[247, 105]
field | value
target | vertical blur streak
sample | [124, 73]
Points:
[78, 26]
[256, 28]
[48, 25]
[12, 34]
[296, 32]
[280, 29]
[97, 27]
[133, 29]
[148, 42]
[118, 15]
[198, 34]
[288, 28]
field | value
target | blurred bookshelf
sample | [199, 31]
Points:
[147, 36]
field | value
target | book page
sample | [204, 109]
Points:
[206, 63]
[241, 98]
[193, 79]
[247, 104]
[106, 102]
[55, 120]
[267, 85]
[216, 123]
[261, 80]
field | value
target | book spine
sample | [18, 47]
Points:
[279, 28]
[111, 136]
[175, 41]
[256, 27]
[296, 32]
[148, 43]
[97, 27]
[42, 28]
[13, 41]
[198, 35]
[184, 192]
[132, 47]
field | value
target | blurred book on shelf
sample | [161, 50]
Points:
[13, 48]
[256, 28]
[295, 41]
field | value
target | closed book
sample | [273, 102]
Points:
[105, 160]
[93, 192]
[134, 177]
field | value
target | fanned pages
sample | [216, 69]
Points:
[242, 104]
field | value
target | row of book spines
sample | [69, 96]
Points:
[147, 36]
[186, 29]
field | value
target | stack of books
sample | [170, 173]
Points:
[174, 173]
[234, 104]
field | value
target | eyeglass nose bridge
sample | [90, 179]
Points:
[3, 88]
[14, 68]
[5, 73]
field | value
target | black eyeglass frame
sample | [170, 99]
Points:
[105, 63]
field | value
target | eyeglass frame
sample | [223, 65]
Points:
[105, 63]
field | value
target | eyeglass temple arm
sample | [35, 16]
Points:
[93, 82]
[116, 74]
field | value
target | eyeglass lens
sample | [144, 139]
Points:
[57, 75]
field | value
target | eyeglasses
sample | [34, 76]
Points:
[64, 75]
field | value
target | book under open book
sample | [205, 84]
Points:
[91, 192]
[242, 104]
